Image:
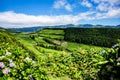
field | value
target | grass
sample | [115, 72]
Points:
[48, 31]
[60, 78]
[28, 43]
[40, 39]
[52, 36]
[30, 46]
[76, 47]
[46, 50]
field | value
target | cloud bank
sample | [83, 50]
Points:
[104, 9]
[12, 19]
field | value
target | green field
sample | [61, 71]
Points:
[47, 56]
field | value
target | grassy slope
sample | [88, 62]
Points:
[54, 34]
[28, 43]
[24, 39]
[52, 31]
[74, 47]
[70, 45]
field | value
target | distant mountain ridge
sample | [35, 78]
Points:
[37, 28]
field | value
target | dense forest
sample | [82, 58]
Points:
[93, 36]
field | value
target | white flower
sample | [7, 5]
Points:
[12, 64]
[2, 57]
[2, 65]
[6, 71]
[10, 60]
[27, 59]
[31, 77]
[33, 62]
[103, 52]
[7, 53]
[116, 46]
[118, 60]
[118, 64]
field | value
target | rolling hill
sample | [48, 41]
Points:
[47, 55]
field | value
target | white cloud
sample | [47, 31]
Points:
[110, 14]
[12, 19]
[86, 16]
[113, 13]
[103, 6]
[114, 1]
[59, 4]
[99, 1]
[109, 1]
[86, 3]
[68, 7]
[106, 5]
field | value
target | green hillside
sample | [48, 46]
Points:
[46, 55]
[105, 37]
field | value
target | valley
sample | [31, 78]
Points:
[57, 54]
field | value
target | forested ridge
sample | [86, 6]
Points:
[93, 36]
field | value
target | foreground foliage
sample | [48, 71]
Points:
[19, 61]
[111, 69]
[16, 63]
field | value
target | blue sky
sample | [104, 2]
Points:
[26, 13]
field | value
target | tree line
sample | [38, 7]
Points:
[93, 36]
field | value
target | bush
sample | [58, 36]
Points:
[111, 69]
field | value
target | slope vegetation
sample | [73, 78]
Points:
[45, 55]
